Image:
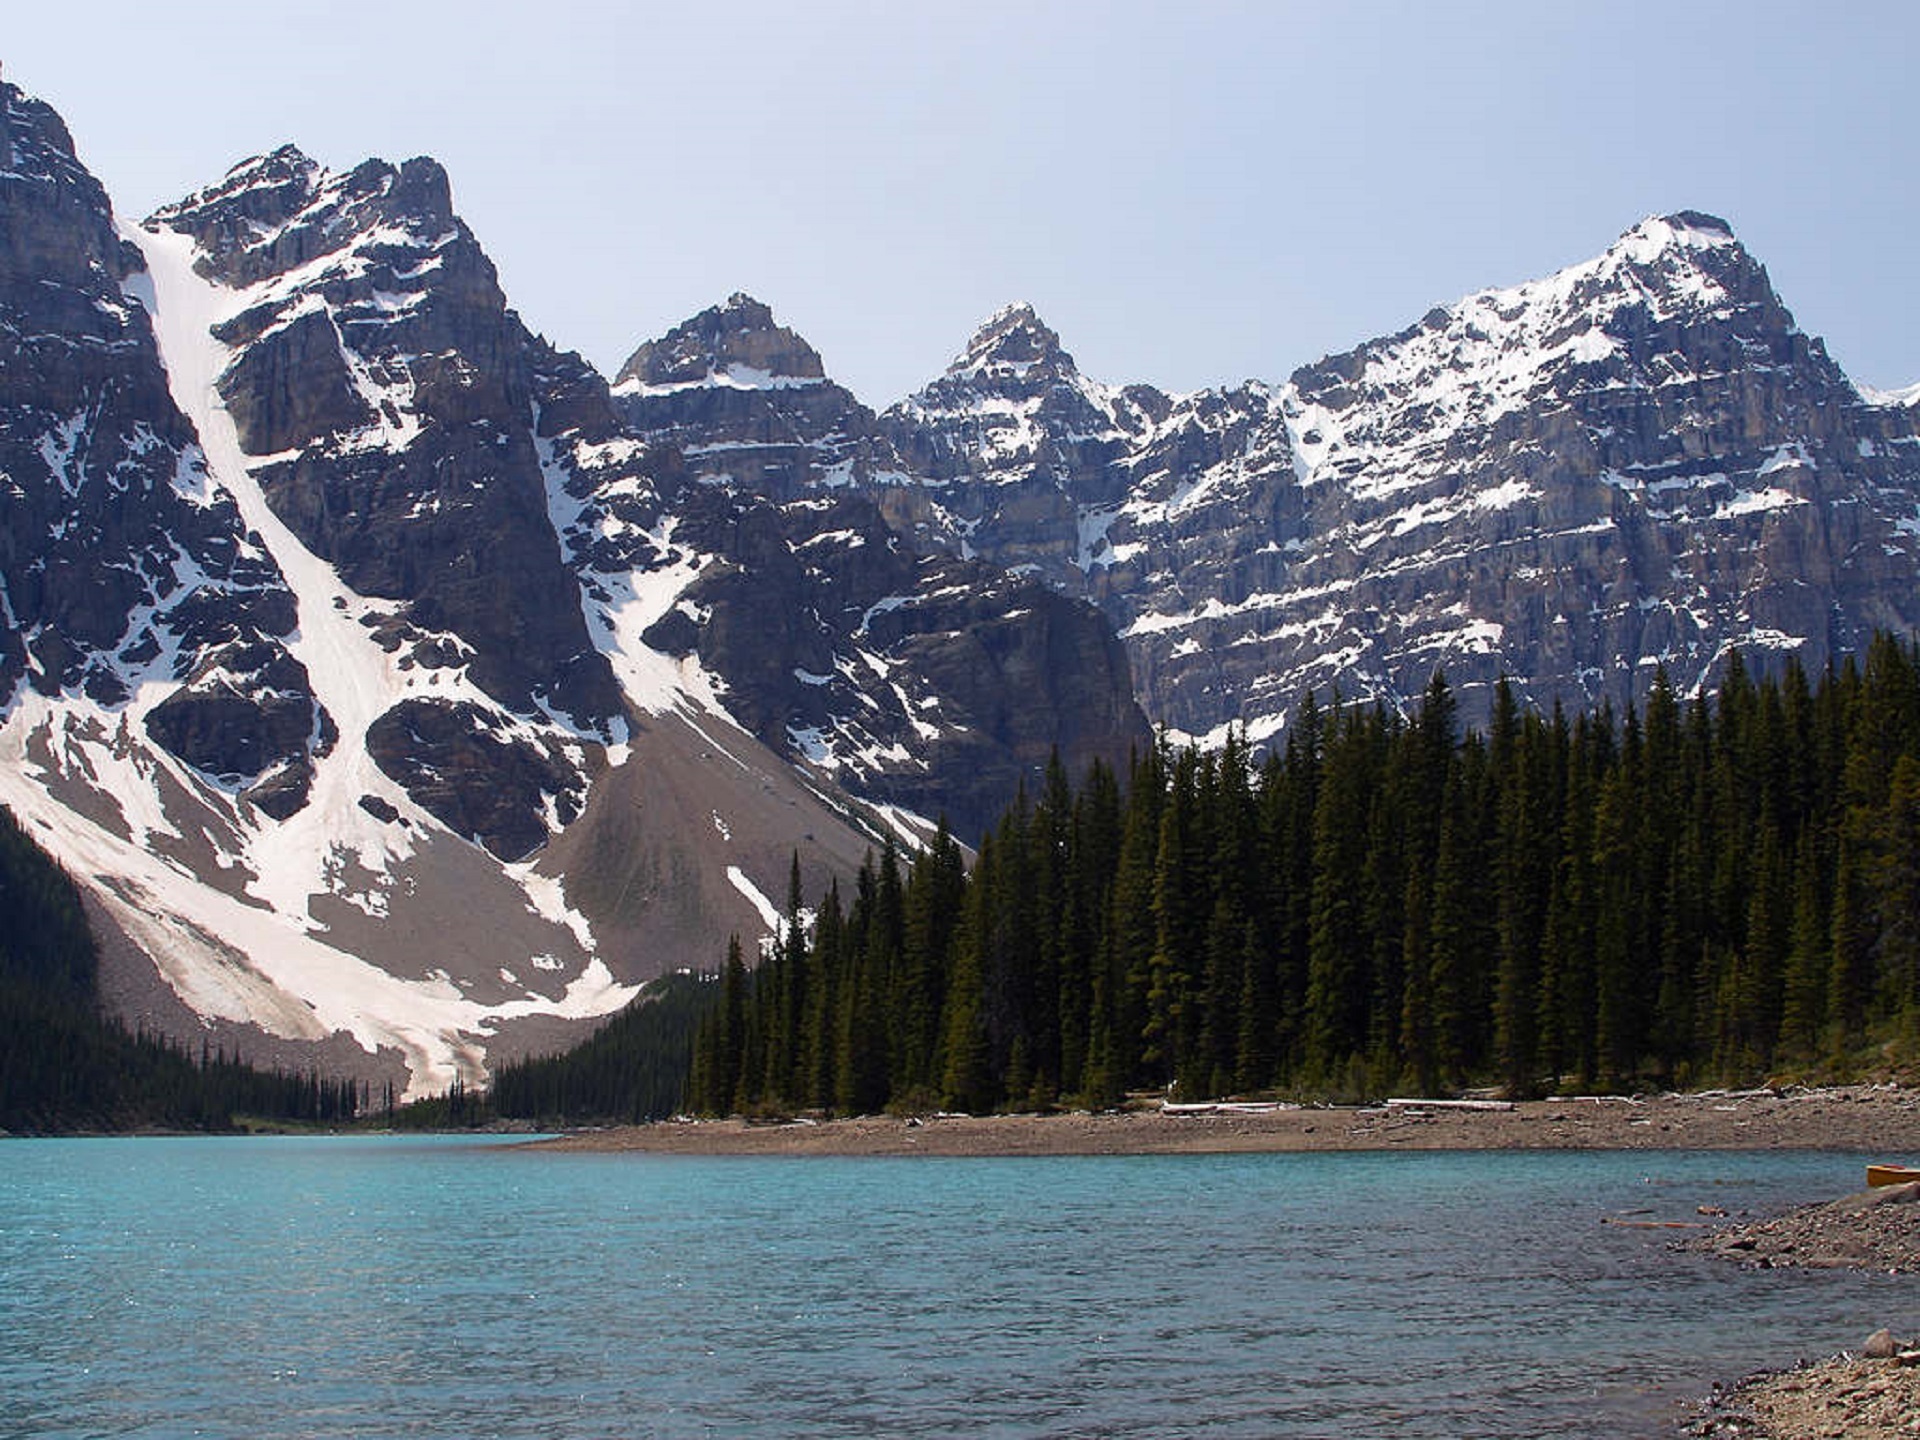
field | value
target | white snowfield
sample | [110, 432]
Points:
[1897, 399]
[227, 956]
[254, 949]
[734, 376]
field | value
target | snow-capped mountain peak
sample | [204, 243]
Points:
[1375, 418]
[1682, 229]
[1012, 343]
[1454, 494]
[287, 172]
[737, 344]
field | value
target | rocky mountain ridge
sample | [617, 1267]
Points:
[121, 566]
[1638, 462]
[384, 689]
[746, 401]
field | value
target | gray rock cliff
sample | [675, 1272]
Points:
[388, 398]
[119, 563]
[1638, 462]
[747, 401]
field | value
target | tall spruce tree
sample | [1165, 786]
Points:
[1718, 890]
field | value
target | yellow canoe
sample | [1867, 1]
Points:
[1891, 1174]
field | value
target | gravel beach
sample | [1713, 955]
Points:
[1870, 1394]
[1880, 1119]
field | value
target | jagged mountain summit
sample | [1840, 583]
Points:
[1013, 408]
[1638, 462]
[747, 403]
[738, 344]
[384, 688]
[274, 785]
[369, 380]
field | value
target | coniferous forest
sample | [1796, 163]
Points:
[64, 1066]
[633, 1068]
[1699, 892]
[1702, 891]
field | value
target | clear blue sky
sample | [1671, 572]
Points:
[1191, 193]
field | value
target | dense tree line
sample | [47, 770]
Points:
[64, 1066]
[1696, 891]
[633, 1068]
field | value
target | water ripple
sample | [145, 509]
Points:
[409, 1287]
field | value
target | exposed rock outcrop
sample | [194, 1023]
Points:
[746, 401]
[119, 562]
[1640, 461]
[1876, 1229]
[388, 398]
[923, 681]
[389, 392]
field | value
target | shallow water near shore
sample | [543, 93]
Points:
[443, 1287]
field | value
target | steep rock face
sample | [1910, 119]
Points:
[469, 769]
[1132, 498]
[900, 672]
[123, 573]
[161, 721]
[739, 340]
[1638, 462]
[192, 737]
[747, 401]
[921, 683]
[385, 399]
[925, 682]
[1212, 518]
[1012, 449]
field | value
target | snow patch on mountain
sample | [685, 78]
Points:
[353, 678]
[1901, 399]
[258, 949]
[230, 956]
[631, 601]
[732, 376]
[763, 907]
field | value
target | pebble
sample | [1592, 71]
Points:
[1876, 1230]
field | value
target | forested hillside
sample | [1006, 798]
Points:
[634, 1068]
[1706, 891]
[65, 1067]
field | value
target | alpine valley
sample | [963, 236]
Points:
[405, 694]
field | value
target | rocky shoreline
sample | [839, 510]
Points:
[1870, 1395]
[1876, 1229]
[1878, 1119]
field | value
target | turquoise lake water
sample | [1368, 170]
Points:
[374, 1286]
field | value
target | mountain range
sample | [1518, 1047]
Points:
[398, 685]
[1640, 461]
